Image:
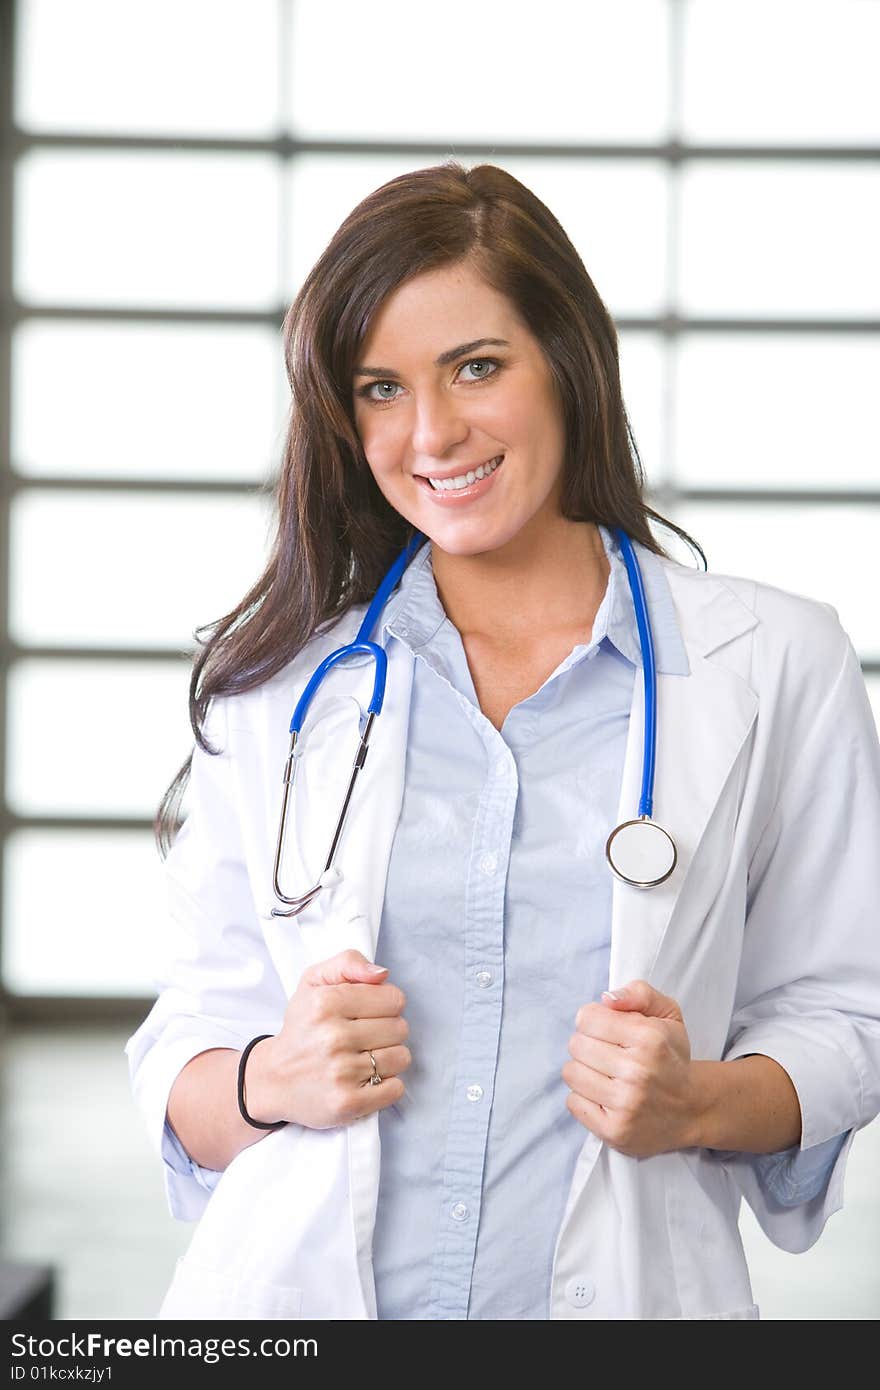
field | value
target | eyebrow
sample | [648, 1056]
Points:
[442, 361]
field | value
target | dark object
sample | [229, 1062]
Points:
[257, 1124]
[27, 1292]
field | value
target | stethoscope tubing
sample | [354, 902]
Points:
[649, 668]
[363, 644]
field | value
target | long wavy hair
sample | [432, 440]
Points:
[335, 533]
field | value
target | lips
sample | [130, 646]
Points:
[460, 471]
[460, 496]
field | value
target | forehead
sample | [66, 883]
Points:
[441, 307]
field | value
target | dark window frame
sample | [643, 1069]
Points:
[16, 142]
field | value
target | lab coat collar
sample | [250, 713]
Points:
[703, 723]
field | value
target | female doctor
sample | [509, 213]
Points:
[609, 826]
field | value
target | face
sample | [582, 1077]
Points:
[434, 399]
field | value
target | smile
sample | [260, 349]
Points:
[466, 479]
[463, 486]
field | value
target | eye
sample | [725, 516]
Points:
[366, 391]
[385, 392]
[482, 362]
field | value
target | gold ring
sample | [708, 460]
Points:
[375, 1079]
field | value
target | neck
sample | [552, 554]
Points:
[554, 581]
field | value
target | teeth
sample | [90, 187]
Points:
[465, 479]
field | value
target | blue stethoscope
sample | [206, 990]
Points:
[639, 852]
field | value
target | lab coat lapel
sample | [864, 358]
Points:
[695, 755]
[349, 914]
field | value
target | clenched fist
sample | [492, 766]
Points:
[315, 1071]
[630, 1072]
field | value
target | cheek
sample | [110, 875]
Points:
[378, 444]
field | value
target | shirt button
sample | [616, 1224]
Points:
[459, 1212]
[489, 863]
[484, 978]
[475, 1093]
[579, 1292]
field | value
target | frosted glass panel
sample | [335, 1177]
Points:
[141, 228]
[774, 238]
[83, 912]
[147, 400]
[614, 212]
[777, 410]
[205, 67]
[820, 551]
[794, 71]
[95, 737]
[641, 377]
[502, 69]
[130, 570]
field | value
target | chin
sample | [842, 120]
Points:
[455, 543]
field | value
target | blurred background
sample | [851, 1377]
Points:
[170, 172]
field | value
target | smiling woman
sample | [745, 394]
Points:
[549, 398]
[550, 1098]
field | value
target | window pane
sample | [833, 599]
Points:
[808, 67]
[147, 400]
[136, 228]
[84, 912]
[95, 737]
[206, 67]
[780, 239]
[613, 211]
[642, 359]
[499, 70]
[117, 570]
[808, 549]
[776, 410]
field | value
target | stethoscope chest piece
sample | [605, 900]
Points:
[641, 853]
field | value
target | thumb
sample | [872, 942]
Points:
[348, 966]
[640, 997]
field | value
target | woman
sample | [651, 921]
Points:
[574, 1079]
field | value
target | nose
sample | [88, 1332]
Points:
[439, 424]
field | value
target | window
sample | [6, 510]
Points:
[165, 199]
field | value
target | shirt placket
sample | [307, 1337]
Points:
[483, 965]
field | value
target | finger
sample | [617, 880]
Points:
[365, 1033]
[368, 1001]
[609, 1025]
[347, 965]
[371, 1098]
[590, 1084]
[590, 1115]
[390, 1061]
[608, 1058]
[639, 995]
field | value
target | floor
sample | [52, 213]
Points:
[81, 1189]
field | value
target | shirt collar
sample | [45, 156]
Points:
[414, 612]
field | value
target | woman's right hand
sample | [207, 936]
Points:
[314, 1072]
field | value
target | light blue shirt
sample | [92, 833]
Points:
[497, 926]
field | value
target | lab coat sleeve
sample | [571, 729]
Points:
[217, 986]
[808, 990]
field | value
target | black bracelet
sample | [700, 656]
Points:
[257, 1124]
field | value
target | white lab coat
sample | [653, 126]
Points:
[768, 776]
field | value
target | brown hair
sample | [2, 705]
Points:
[336, 534]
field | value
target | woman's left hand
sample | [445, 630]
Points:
[631, 1074]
